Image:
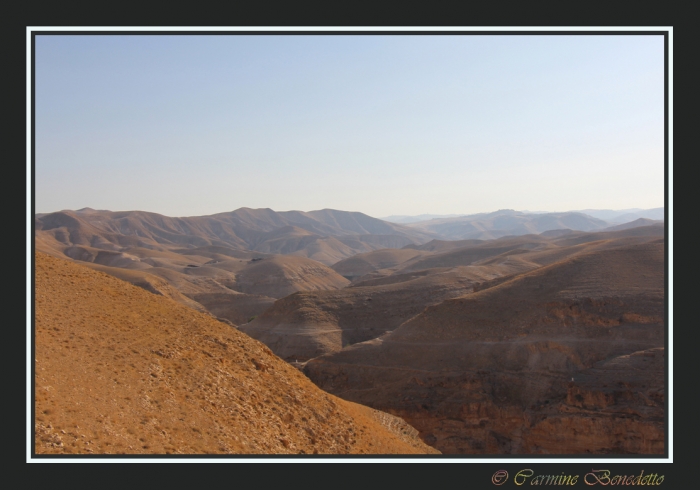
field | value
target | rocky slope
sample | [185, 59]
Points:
[119, 370]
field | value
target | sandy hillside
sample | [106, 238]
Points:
[121, 370]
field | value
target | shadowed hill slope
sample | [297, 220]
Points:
[306, 325]
[362, 264]
[121, 371]
[444, 245]
[473, 254]
[490, 372]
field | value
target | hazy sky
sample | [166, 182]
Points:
[192, 125]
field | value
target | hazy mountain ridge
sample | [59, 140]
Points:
[261, 230]
[506, 222]
[635, 224]
[326, 235]
[404, 219]
[622, 216]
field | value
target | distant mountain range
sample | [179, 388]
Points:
[233, 264]
[487, 226]
[617, 217]
[403, 219]
[635, 224]
[624, 215]
[326, 235]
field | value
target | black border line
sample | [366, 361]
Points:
[666, 251]
[347, 33]
[467, 458]
[32, 443]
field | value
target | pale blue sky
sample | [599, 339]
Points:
[193, 125]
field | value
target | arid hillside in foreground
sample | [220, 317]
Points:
[121, 370]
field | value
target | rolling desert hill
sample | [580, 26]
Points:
[196, 260]
[473, 254]
[309, 324]
[487, 226]
[610, 215]
[518, 252]
[261, 230]
[232, 289]
[281, 275]
[361, 264]
[547, 361]
[444, 245]
[305, 325]
[118, 370]
[656, 214]
[211, 262]
[403, 219]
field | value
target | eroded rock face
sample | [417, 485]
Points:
[492, 411]
[615, 407]
[491, 372]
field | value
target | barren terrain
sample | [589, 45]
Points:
[549, 339]
[119, 370]
[545, 362]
